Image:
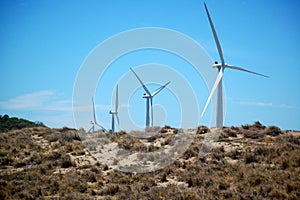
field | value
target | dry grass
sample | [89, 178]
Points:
[249, 162]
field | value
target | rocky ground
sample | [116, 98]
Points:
[248, 162]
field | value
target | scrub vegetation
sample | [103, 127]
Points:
[247, 162]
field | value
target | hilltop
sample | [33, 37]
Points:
[9, 123]
[247, 162]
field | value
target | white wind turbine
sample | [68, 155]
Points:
[94, 121]
[114, 114]
[149, 99]
[218, 82]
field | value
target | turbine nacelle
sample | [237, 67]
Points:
[217, 65]
[113, 112]
[146, 95]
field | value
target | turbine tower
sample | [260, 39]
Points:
[94, 121]
[218, 83]
[149, 99]
[114, 114]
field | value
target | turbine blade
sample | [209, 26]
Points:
[151, 112]
[117, 100]
[118, 120]
[219, 77]
[141, 82]
[101, 127]
[159, 89]
[245, 70]
[94, 112]
[215, 36]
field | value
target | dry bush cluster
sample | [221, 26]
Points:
[134, 144]
[248, 162]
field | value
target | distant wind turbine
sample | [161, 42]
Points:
[149, 99]
[218, 82]
[114, 114]
[94, 121]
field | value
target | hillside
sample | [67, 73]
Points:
[248, 162]
[9, 123]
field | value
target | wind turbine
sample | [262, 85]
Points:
[94, 121]
[149, 98]
[114, 114]
[218, 83]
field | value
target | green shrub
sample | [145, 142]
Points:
[10, 123]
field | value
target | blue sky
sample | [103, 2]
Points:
[44, 43]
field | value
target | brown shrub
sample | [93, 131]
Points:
[272, 131]
[252, 134]
[66, 162]
[234, 154]
[258, 125]
[110, 189]
[231, 132]
[250, 157]
[192, 151]
[202, 130]
[163, 130]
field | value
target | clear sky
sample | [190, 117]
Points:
[44, 43]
